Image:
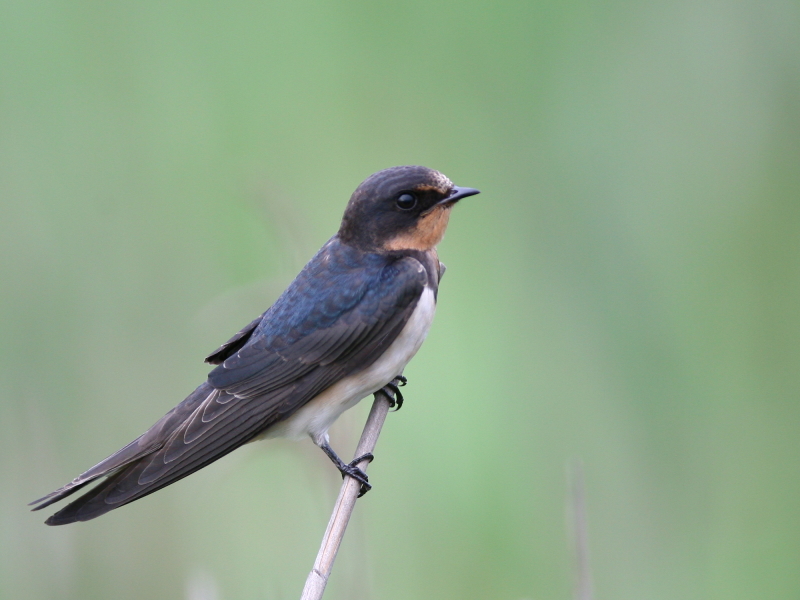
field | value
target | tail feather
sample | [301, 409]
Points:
[57, 495]
[124, 487]
[148, 443]
[133, 475]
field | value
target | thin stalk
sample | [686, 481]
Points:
[345, 503]
[582, 589]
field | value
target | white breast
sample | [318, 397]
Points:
[318, 415]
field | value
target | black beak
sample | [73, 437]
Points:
[457, 193]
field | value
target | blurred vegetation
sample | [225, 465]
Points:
[625, 290]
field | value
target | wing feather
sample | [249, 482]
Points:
[313, 336]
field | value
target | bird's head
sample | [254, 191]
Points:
[401, 208]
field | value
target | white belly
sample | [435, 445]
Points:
[318, 415]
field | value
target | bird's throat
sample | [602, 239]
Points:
[426, 233]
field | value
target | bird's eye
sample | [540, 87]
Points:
[406, 201]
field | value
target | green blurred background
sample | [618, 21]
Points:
[625, 290]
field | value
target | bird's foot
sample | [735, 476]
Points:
[356, 473]
[392, 391]
[350, 468]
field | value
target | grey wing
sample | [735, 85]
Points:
[266, 380]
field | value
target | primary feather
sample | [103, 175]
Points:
[313, 336]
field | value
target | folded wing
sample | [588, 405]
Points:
[310, 338]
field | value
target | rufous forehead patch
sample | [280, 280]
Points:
[440, 183]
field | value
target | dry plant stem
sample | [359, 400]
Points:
[580, 537]
[345, 503]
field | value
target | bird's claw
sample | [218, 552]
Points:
[356, 473]
[392, 391]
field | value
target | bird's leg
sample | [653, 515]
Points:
[392, 390]
[351, 468]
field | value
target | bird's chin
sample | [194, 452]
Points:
[426, 233]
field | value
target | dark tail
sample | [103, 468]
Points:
[206, 426]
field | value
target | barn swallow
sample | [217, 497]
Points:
[343, 329]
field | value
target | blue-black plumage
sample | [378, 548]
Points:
[345, 328]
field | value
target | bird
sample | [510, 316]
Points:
[344, 329]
